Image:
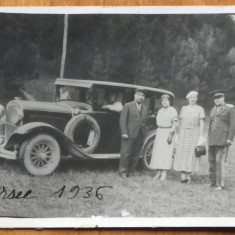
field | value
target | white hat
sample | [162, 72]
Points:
[192, 93]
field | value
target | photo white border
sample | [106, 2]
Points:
[122, 10]
[122, 222]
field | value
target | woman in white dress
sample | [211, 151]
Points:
[163, 147]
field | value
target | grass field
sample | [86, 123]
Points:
[139, 195]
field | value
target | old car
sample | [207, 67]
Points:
[77, 123]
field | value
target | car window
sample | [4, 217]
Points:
[71, 93]
[118, 95]
[157, 105]
[100, 95]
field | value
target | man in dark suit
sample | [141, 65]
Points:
[132, 120]
[221, 134]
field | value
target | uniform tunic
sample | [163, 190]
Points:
[185, 158]
[162, 151]
[221, 129]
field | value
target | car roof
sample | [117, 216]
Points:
[90, 83]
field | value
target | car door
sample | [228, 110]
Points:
[110, 138]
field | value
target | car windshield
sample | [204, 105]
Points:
[71, 93]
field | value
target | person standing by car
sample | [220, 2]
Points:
[191, 125]
[163, 147]
[132, 120]
[220, 137]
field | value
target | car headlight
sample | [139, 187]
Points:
[14, 114]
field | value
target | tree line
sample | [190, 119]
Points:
[174, 52]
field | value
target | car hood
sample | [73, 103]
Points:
[57, 107]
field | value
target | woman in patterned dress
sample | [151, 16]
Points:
[191, 124]
[163, 147]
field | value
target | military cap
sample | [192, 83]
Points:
[217, 93]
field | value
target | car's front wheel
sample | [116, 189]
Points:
[147, 154]
[41, 154]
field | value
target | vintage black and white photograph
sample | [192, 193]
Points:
[117, 115]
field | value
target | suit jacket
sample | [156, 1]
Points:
[222, 125]
[132, 121]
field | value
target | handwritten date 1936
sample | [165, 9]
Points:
[86, 192]
[73, 192]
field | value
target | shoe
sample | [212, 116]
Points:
[219, 188]
[184, 181]
[183, 178]
[163, 176]
[188, 179]
[157, 176]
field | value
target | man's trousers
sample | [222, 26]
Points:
[130, 154]
[217, 164]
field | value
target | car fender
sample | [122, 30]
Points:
[150, 135]
[27, 130]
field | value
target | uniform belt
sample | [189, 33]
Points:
[165, 127]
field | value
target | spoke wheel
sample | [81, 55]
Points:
[147, 154]
[41, 154]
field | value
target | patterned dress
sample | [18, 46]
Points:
[185, 159]
[162, 151]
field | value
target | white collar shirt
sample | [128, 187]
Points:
[138, 106]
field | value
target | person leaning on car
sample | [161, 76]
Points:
[220, 137]
[132, 120]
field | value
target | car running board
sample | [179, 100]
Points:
[105, 155]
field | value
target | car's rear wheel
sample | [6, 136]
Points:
[147, 154]
[84, 131]
[40, 154]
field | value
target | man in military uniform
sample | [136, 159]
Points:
[221, 134]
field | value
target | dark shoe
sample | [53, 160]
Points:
[184, 181]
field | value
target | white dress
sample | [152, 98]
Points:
[162, 151]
